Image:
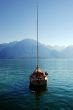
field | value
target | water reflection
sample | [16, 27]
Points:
[38, 95]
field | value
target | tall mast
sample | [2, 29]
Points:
[37, 38]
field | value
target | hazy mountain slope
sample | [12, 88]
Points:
[68, 52]
[2, 46]
[28, 48]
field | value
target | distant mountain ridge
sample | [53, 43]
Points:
[28, 48]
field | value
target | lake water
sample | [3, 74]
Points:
[14, 85]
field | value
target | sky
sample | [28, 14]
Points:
[18, 21]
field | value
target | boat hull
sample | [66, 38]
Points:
[38, 86]
[38, 79]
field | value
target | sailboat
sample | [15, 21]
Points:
[38, 78]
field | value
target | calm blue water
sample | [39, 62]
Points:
[14, 85]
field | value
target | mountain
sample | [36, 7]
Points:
[2, 46]
[68, 52]
[56, 47]
[28, 48]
